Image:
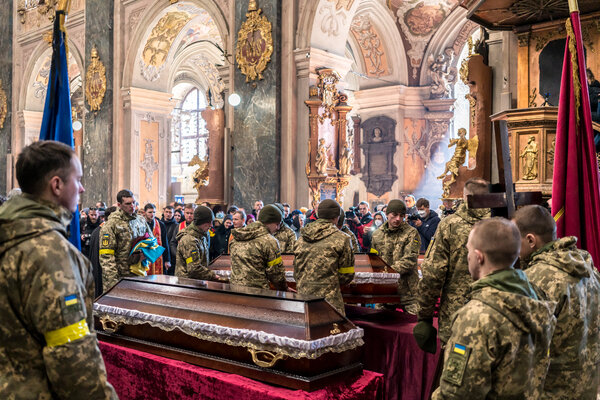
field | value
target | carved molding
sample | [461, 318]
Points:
[3, 105]
[370, 44]
[333, 21]
[255, 43]
[379, 145]
[95, 81]
[148, 164]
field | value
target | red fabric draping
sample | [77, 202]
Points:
[390, 348]
[138, 375]
[576, 182]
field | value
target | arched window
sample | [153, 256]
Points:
[189, 137]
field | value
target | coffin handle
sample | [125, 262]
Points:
[108, 325]
[267, 354]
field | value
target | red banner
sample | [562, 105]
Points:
[576, 181]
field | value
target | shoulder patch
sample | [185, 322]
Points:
[456, 364]
[71, 308]
[105, 239]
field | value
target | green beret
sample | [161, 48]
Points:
[202, 215]
[328, 209]
[396, 206]
[270, 214]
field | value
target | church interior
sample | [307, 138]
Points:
[355, 100]
[288, 101]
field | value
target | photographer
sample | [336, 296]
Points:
[362, 225]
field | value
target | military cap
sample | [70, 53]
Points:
[328, 209]
[396, 206]
[202, 215]
[270, 214]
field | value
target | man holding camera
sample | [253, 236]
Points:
[362, 225]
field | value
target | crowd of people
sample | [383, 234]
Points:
[517, 308]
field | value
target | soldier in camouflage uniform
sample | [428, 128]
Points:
[499, 342]
[347, 231]
[116, 237]
[285, 235]
[324, 257]
[398, 244]
[255, 255]
[444, 268]
[48, 346]
[567, 275]
[192, 250]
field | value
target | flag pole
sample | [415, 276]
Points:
[573, 6]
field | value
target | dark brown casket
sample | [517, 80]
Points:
[277, 337]
[374, 280]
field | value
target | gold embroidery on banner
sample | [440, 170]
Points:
[3, 105]
[576, 81]
[95, 81]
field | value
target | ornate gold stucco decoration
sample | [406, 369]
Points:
[254, 44]
[159, 43]
[200, 176]
[328, 92]
[95, 81]
[3, 105]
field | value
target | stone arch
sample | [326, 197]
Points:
[382, 18]
[148, 21]
[453, 33]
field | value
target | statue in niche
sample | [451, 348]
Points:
[377, 135]
[346, 160]
[322, 157]
[530, 159]
[458, 158]
[443, 75]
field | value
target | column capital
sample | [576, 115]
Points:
[148, 100]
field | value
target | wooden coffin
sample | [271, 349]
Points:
[276, 337]
[374, 281]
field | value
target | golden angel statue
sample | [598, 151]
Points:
[460, 154]
[200, 176]
[322, 157]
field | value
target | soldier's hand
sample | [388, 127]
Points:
[418, 223]
[426, 336]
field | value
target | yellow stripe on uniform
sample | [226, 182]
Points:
[188, 260]
[373, 251]
[274, 262]
[107, 251]
[559, 214]
[67, 334]
[347, 270]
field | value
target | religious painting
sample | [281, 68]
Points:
[328, 191]
[423, 19]
[255, 44]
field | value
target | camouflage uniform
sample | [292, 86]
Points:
[48, 346]
[116, 237]
[399, 248]
[255, 258]
[355, 244]
[286, 238]
[445, 270]
[498, 348]
[192, 254]
[567, 276]
[324, 261]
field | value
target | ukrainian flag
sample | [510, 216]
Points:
[57, 123]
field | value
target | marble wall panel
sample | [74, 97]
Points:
[6, 31]
[257, 126]
[98, 132]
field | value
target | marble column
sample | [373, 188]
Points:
[256, 133]
[98, 134]
[6, 71]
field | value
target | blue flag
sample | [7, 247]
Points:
[57, 123]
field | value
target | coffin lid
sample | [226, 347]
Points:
[282, 322]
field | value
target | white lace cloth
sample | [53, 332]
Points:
[360, 278]
[258, 340]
